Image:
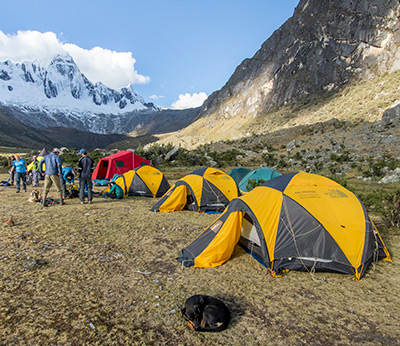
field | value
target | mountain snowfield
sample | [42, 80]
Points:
[60, 95]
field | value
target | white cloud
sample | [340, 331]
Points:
[156, 97]
[29, 46]
[114, 69]
[189, 101]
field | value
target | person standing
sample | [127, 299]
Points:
[12, 172]
[35, 171]
[52, 172]
[67, 176]
[19, 169]
[85, 170]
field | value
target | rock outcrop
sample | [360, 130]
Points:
[325, 45]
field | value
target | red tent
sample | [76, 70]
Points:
[118, 163]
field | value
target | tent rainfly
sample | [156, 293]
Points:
[118, 163]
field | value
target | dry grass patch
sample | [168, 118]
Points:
[106, 274]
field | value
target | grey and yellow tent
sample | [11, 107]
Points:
[40, 157]
[204, 190]
[298, 221]
[142, 181]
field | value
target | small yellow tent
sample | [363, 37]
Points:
[298, 221]
[204, 190]
[142, 181]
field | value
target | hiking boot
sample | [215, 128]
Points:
[44, 203]
[82, 202]
[17, 191]
[62, 201]
[90, 202]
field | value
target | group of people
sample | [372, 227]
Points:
[50, 167]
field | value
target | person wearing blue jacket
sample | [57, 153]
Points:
[67, 176]
[51, 172]
[19, 168]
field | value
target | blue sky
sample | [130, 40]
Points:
[174, 53]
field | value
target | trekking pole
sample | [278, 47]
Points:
[8, 181]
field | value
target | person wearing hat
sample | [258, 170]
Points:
[85, 170]
[50, 167]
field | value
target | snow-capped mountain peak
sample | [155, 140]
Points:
[61, 89]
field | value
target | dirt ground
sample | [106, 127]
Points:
[106, 274]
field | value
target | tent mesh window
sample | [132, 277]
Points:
[119, 163]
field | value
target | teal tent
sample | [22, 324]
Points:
[238, 173]
[264, 174]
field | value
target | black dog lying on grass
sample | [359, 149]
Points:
[206, 314]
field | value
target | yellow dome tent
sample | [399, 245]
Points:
[142, 181]
[298, 221]
[204, 190]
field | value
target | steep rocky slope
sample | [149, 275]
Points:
[324, 47]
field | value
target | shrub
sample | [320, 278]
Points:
[70, 158]
[269, 159]
[386, 204]
[4, 161]
[189, 159]
[252, 183]
[226, 158]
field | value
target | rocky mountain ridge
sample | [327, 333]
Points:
[324, 47]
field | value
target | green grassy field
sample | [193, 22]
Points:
[106, 274]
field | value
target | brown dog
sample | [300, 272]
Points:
[35, 196]
[206, 314]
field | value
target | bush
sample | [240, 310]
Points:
[190, 159]
[252, 183]
[269, 159]
[386, 204]
[4, 161]
[226, 158]
[70, 158]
